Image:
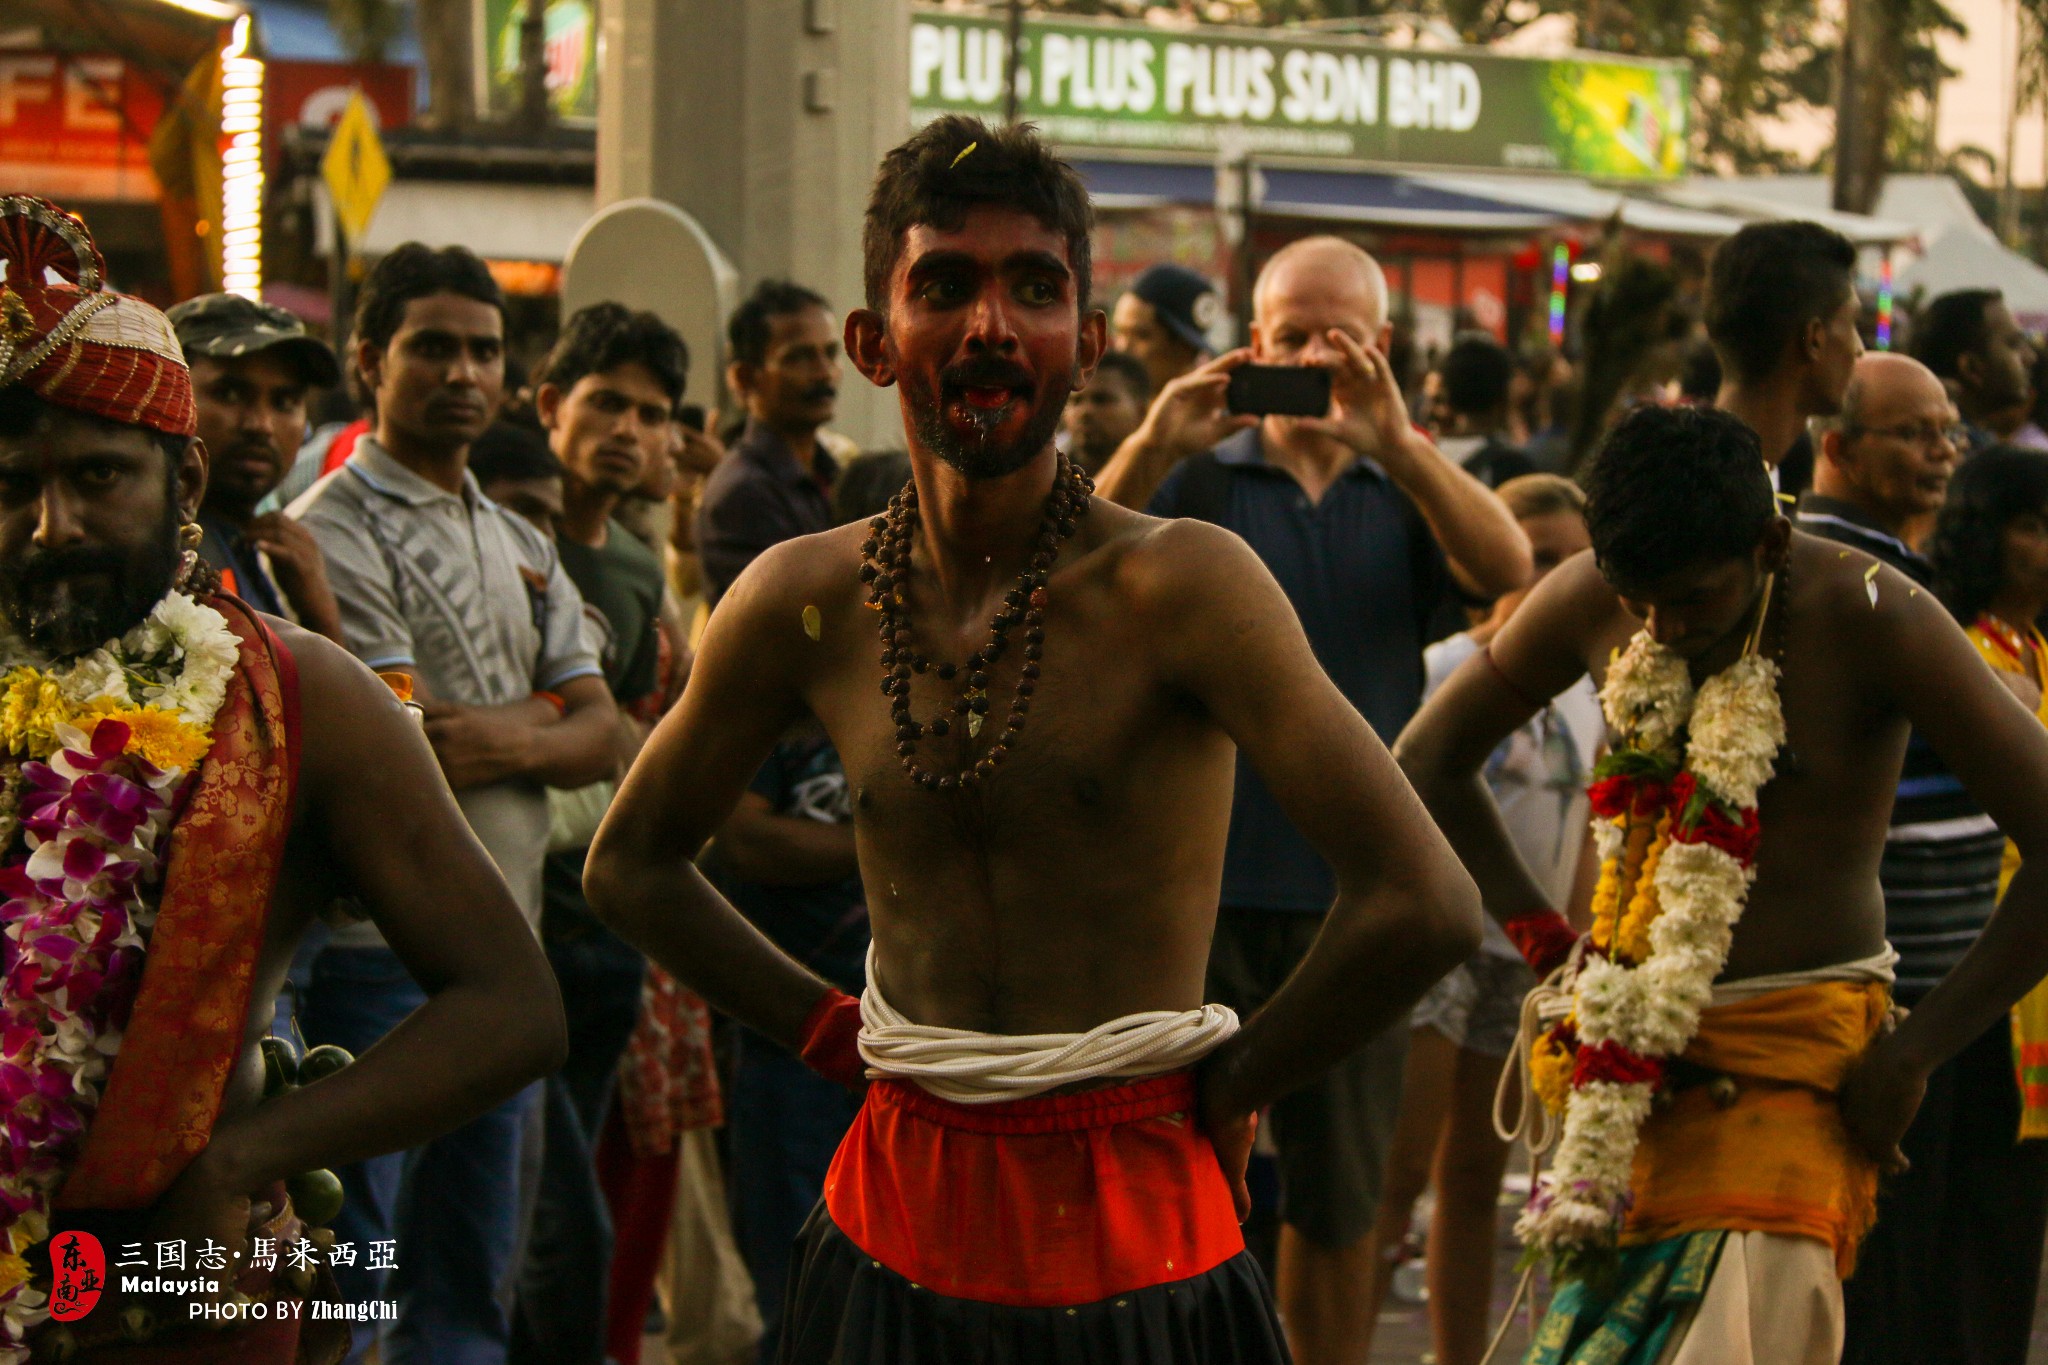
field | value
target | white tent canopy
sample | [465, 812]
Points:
[1962, 259]
[1957, 251]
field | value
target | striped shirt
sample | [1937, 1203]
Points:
[1940, 867]
[474, 601]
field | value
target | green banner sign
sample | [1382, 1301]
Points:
[1210, 91]
[571, 57]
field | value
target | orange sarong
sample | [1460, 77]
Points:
[1778, 1158]
[186, 1030]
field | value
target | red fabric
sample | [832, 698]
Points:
[668, 1079]
[75, 343]
[1544, 937]
[344, 445]
[188, 1029]
[1612, 1062]
[1046, 1202]
[829, 1041]
[641, 1193]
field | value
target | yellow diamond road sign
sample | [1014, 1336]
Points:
[355, 168]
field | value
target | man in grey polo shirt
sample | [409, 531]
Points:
[436, 581]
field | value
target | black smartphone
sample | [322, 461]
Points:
[1279, 390]
[691, 416]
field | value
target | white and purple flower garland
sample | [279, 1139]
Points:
[83, 811]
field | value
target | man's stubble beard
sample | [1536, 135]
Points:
[978, 458]
[42, 601]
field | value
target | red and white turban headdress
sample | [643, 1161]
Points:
[72, 341]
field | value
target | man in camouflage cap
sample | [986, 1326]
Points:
[253, 366]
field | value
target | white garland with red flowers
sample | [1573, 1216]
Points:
[1631, 1019]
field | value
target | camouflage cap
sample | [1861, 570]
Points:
[222, 326]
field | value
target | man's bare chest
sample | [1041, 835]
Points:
[1101, 732]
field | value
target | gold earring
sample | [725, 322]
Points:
[190, 534]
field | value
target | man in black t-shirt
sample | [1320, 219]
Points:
[1468, 412]
[606, 396]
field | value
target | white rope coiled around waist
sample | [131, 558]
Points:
[1552, 1001]
[967, 1067]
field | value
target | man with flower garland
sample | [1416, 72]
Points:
[1737, 972]
[185, 785]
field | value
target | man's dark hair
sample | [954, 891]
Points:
[1477, 371]
[1127, 368]
[511, 451]
[748, 334]
[25, 413]
[1766, 283]
[1699, 374]
[415, 271]
[605, 336]
[953, 164]
[1967, 551]
[1952, 327]
[1671, 488]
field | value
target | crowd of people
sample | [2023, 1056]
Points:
[627, 753]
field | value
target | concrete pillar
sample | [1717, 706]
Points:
[763, 120]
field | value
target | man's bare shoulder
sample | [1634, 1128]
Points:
[1844, 586]
[1874, 611]
[818, 567]
[1575, 604]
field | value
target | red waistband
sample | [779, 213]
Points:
[1105, 1107]
[1058, 1200]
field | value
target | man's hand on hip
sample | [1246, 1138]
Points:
[1231, 1134]
[1879, 1096]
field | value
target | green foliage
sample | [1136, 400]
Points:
[365, 27]
[2033, 53]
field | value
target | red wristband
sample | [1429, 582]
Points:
[1544, 937]
[829, 1041]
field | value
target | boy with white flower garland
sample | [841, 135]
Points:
[1780, 1090]
[207, 780]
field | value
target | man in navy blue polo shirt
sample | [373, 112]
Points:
[1368, 527]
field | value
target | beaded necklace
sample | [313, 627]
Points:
[885, 568]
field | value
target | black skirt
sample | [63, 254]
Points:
[844, 1308]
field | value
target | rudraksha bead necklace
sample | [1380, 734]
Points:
[885, 568]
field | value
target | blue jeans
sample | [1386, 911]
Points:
[453, 1206]
[290, 1010]
[565, 1276]
[785, 1121]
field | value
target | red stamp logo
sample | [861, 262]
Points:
[78, 1271]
